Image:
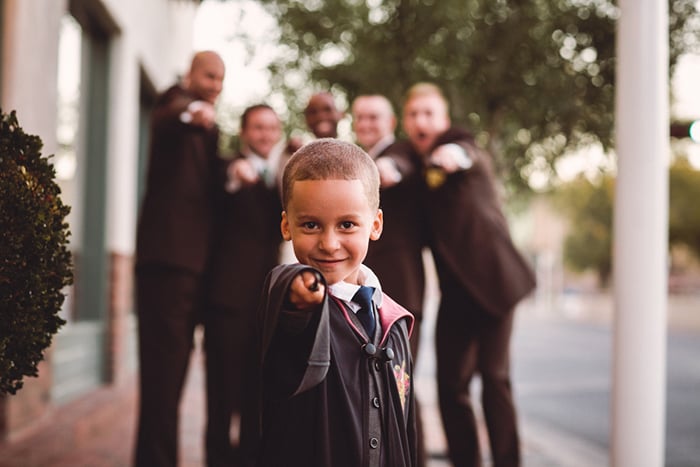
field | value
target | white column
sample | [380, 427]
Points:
[122, 146]
[640, 235]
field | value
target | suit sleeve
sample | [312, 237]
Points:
[470, 234]
[170, 106]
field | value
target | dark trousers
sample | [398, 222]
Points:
[469, 340]
[169, 308]
[167, 301]
[226, 339]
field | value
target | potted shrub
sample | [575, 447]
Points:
[35, 264]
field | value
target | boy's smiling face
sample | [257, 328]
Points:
[330, 223]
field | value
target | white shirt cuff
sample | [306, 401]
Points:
[459, 155]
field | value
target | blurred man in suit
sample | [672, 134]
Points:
[321, 116]
[396, 257]
[246, 247]
[481, 275]
[173, 245]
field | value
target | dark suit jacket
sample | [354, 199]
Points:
[246, 246]
[470, 238]
[396, 258]
[176, 215]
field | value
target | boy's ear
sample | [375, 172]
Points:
[377, 225]
[284, 227]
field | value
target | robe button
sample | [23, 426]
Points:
[375, 402]
[389, 353]
[377, 366]
[373, 443]
[369, 349]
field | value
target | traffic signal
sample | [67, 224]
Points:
[694, 131]
[686, 130]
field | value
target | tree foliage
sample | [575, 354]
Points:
[684, 214]
[35, 264]
[588, 206]
[532, 79]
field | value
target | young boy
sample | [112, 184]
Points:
[336, 376]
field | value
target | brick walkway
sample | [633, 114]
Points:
[99, 430]
[96, 431]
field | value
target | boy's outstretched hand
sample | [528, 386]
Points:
[306, 290]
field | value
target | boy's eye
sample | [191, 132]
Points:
[309, 225]
[347, 225]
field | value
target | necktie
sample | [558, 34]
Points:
[363, 297]
[266, 176]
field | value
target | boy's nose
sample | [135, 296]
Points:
[329, 242]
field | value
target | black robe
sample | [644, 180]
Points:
[320, 395]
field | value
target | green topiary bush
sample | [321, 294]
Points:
[35, 263]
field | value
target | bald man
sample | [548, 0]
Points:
[321, 116]
[173, 245]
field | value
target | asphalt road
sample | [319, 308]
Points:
[562, 374]
[562, 382]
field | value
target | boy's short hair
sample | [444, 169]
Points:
[331, 159]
